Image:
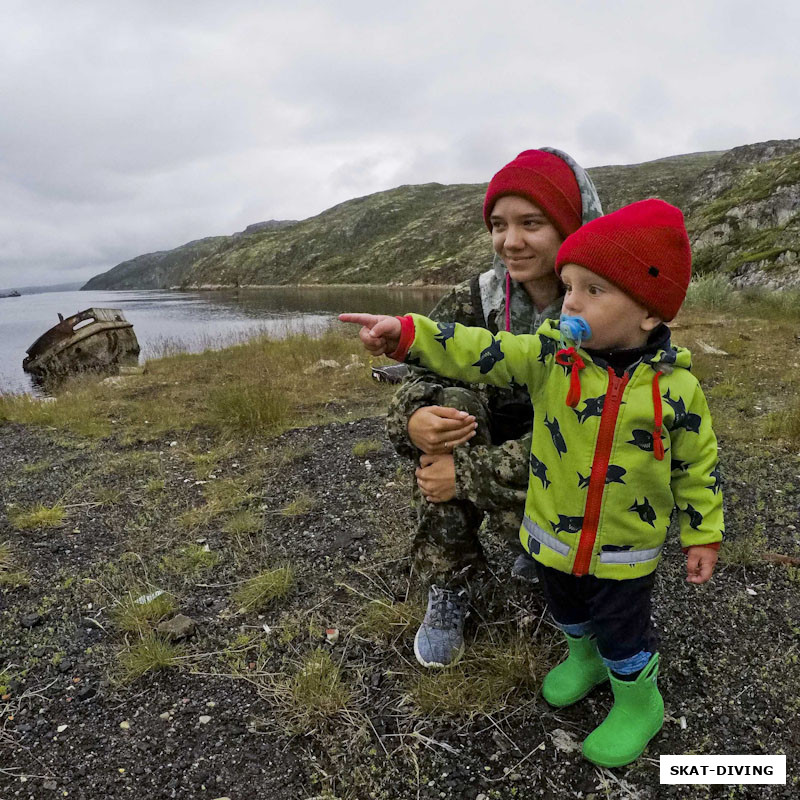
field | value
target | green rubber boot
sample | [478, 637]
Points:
[575, 677]
[635, 718]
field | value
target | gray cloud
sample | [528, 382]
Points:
[131, 127]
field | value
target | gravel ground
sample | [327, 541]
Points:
[730, 674]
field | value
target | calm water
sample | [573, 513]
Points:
[194, 321]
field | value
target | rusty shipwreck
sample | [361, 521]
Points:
[97, 339]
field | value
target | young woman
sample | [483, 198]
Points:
[471, 443]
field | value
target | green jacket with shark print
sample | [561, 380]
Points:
[611, 456]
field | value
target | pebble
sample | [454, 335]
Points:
[205, 719]
[125, 725]
[61, 728]
[166, 715]
[29, 620]
[86, 692]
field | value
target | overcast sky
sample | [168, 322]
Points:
[132, 126]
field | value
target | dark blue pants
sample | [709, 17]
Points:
[617, 613]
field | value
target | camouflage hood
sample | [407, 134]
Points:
[497, 291]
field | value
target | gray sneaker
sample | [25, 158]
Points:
[524, 569]
[440, 639]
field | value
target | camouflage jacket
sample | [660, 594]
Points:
[611, 456]
[490, 476]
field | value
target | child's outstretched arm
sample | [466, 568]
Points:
[379, 333]
[473, 355]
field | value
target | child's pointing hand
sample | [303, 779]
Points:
[379, 334]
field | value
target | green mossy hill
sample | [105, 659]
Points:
[672, 179]
[740, 207]
[744, 217]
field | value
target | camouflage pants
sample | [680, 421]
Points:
[447, 549]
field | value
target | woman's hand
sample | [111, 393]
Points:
[436, 430]
[379, 334]
[436, 478]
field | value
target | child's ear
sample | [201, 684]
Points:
[650, 322]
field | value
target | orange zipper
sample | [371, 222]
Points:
[597, 482]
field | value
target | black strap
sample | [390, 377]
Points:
[479, 320]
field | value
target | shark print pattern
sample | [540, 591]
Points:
[549, 348]
[490, 356]
[539, 470]
[555, 434]
[645, 511]
[613, 475]
[683, 466]
[642, 439]
[446, 331]
[695, 517]
[567, 524]
[593, 407]
[717, 478]
[683, 418]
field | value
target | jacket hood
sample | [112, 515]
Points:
[590, 201]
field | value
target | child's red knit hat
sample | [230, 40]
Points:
[547, 181]
[643, 248]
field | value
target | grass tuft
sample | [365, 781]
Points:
[314, 694]
[10, 576]
[264, 589]
[248, 405]
[150, 654]
[365, 447]
[745, 550]
[491, 673]
[243, 523]
[784, 424]
[190, 560]
[390, 620]
[302, 504]
[130, 615]
[37, 517]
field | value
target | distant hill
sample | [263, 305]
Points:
[742, 208]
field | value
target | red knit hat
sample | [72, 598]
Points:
[546, 180]
[643, 248]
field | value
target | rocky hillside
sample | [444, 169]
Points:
[742, 207]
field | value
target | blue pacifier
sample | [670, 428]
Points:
[576, 329]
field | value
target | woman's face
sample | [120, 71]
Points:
[524, 238]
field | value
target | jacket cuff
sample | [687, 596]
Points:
[712, 545]
[407, 332]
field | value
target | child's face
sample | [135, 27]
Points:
[616, 319]
[524, 238]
